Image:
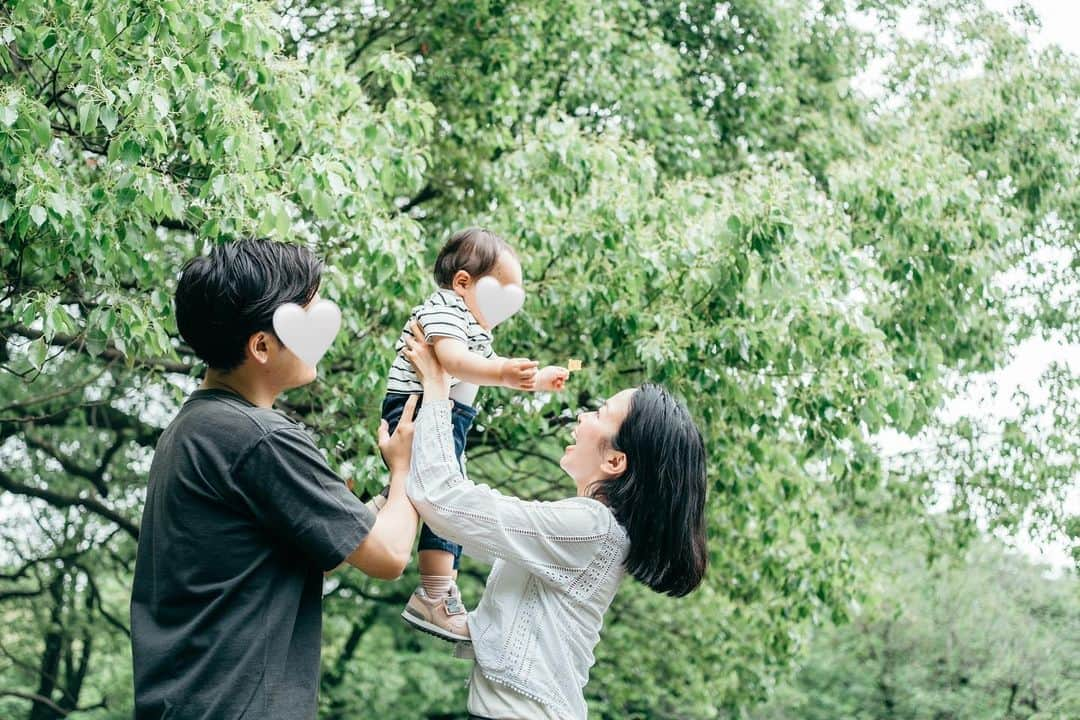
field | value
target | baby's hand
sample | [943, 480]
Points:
[519, 374]
[551, 379]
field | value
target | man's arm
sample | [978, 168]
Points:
[386, 550]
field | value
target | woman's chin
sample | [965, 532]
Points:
[566, 453]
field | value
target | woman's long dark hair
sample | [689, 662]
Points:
[660, 499]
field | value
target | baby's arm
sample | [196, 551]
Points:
[551, 379]
[455, 357]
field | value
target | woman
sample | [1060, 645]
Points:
[639, 466]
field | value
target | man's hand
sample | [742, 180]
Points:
[551, 379]
[397, 449]
[518, 374]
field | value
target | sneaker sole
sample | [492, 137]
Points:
[432, 629]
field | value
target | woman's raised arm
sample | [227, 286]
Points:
[556, 541]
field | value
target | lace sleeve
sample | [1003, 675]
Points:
[562, 542]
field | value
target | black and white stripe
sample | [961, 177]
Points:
[443, 314]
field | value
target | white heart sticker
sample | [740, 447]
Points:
[308, 333]
[498, 302]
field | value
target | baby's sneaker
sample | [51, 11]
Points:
[443, 617]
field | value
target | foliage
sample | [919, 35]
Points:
[932, 642]
[699, 198]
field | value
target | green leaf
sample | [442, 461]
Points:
[38, 215]
[131, 152]
[37, 352]
[96, 342]
[324, 206]
[60, 321]
[283, 222]
[109, 118]
[40, 129]
[88, 117]
[58, 204]
[162, 105]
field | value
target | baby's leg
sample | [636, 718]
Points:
[438, 557]
[437, 571]
[393, 407]
[435, 607]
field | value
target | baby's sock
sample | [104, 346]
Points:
[436, 586]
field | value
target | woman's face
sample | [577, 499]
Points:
[592, 458]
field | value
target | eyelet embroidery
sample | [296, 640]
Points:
[549, 665]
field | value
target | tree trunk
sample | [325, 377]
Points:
[50, 659]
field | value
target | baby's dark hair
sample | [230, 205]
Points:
[474, 250]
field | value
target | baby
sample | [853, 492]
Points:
[461, 338]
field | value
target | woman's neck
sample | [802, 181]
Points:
[589, 489]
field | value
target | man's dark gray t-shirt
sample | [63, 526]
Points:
[242, 517]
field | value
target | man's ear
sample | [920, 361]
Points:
[614, 463]
[258, 346]
[462, 280]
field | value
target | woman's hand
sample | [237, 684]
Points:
[396, 449]
[422, 356]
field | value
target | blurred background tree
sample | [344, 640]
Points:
[984, 634]
[700, 196]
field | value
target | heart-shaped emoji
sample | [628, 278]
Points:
[498, 302]
[308, 333]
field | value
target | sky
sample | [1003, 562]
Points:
[1061, 26]
[1061, 21]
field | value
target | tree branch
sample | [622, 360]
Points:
[96, 595]
[426, 193]
[34, 697]
[61, 501]
[69, 465]
[110, 353]
[9, 594]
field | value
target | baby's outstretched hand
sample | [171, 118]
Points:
[551, 379]
[518, 374]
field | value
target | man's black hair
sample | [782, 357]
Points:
[223, 298]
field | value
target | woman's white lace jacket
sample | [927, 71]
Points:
[556, 567]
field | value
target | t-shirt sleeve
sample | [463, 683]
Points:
[288, 486]
[443, 321]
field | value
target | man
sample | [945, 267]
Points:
[243, 516]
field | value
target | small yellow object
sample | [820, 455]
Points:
[573, 365]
